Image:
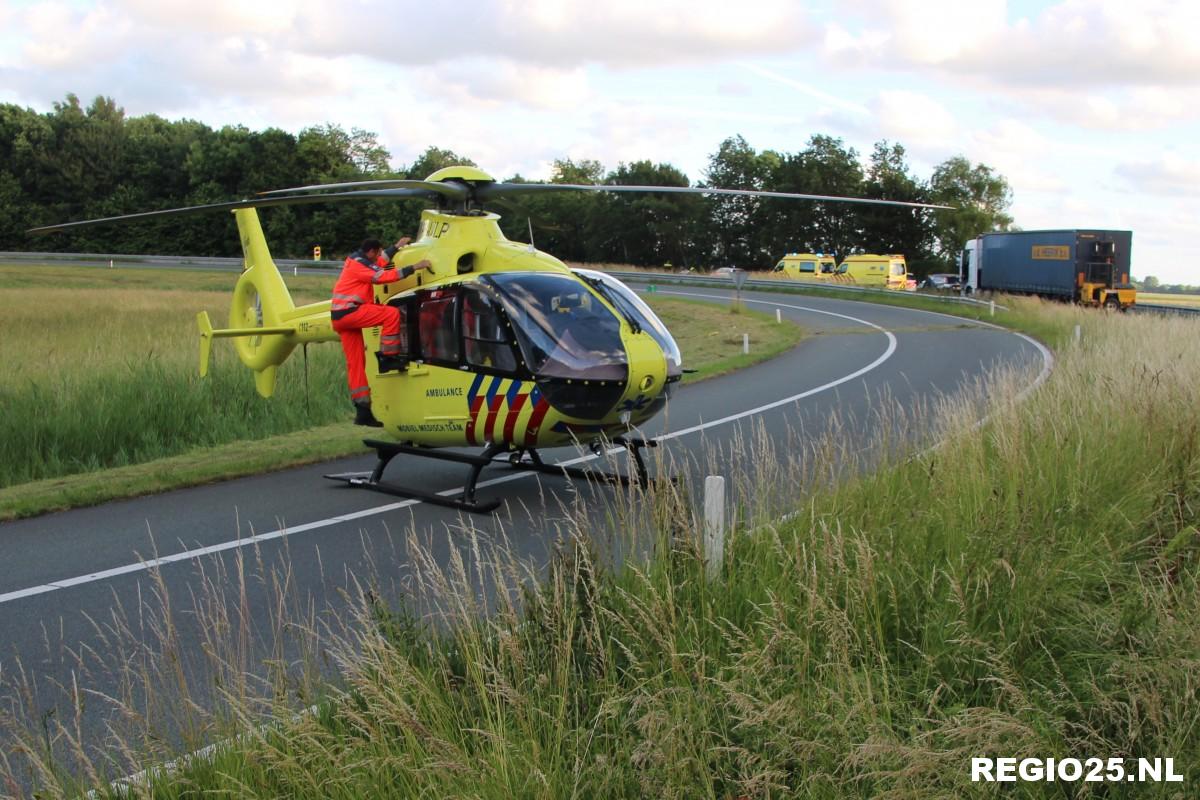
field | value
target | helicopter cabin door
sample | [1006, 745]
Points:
[459, 388]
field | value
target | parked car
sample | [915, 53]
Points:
[724, 270]
[942, 282]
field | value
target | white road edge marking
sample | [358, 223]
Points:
[187, 555]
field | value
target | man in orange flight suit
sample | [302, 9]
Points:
[354, 308]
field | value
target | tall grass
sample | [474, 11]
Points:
[1024, 589]
[110, 378]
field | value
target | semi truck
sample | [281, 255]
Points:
[1086, 266]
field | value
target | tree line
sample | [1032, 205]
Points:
[81, 163]
[1152, 284]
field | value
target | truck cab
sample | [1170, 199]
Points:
[1100, 280]
[968, 266]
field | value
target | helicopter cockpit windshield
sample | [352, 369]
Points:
[640, 316]
[563, 331]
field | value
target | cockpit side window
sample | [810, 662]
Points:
[485, 335]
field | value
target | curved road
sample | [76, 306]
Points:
[65, 578]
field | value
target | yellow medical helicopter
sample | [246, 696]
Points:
[504, 346]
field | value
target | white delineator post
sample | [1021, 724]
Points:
[745, 343]
[778, 316]
[714, 525]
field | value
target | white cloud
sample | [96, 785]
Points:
[806, 88]
[624, 32]
[161, 58]
[1156, 244]
[500, 82]
[1138, 109]
[928, 32]
[734, 89]
[1100, 64]
[64, 38]
[1076, 42]
[217, 17]
[1021, 153]
[562, 33]
[913, 119]
[845, 47]
[1169, 174]
[1013, 138]
[620, 133]
[530, 53]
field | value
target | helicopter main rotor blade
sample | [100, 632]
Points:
[378, 194]
[454, 191]
[499, 189]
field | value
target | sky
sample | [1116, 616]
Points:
[1091, 110]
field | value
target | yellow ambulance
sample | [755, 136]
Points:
[806, 267]
[868, 269]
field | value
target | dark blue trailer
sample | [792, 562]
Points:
[1088, 266]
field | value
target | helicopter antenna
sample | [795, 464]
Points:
[529, 221]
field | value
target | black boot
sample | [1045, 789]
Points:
[363, 415]
[391, 363]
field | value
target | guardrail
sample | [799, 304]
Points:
[103, 259]
[693, 279]
[686, 278]
[1144, 308]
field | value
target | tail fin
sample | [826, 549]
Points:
[261, 314]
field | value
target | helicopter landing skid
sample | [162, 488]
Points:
[634, 446]
[527, 459]
[389, 450]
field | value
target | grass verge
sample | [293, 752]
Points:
[196, 467]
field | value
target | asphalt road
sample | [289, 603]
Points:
[74, 585]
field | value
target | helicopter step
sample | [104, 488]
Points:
[527, 459]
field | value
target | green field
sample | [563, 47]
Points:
[101, 372]
[1158, 299]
